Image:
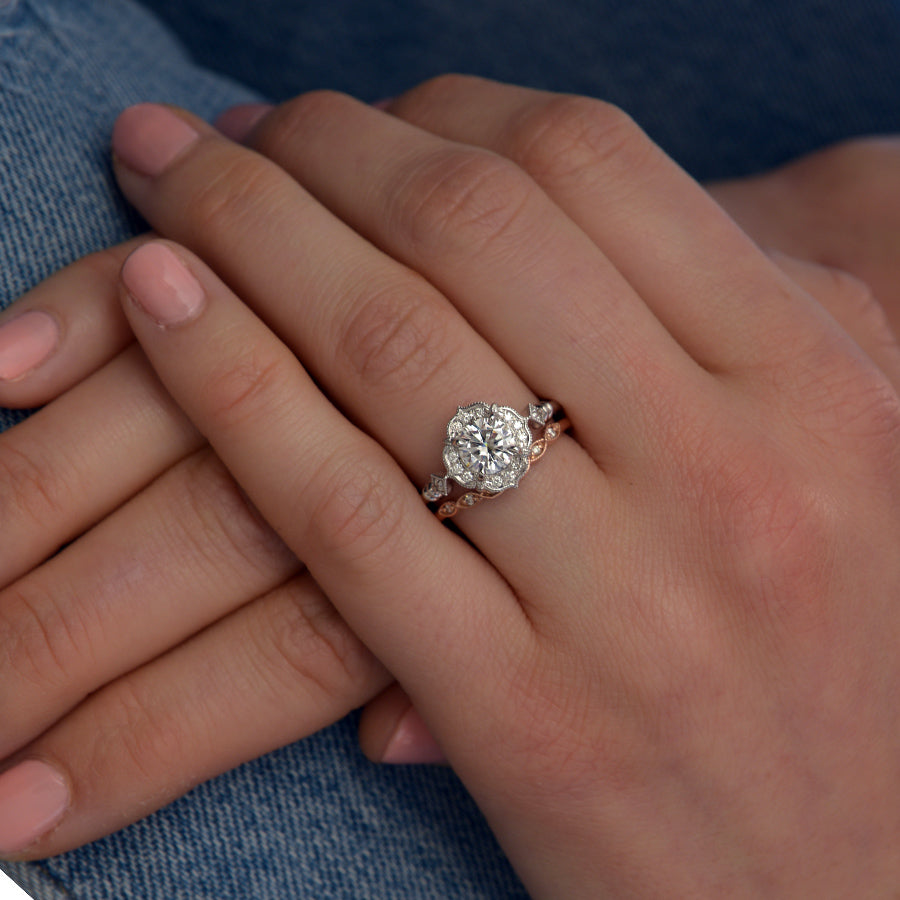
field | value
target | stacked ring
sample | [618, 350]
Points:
[488, 449]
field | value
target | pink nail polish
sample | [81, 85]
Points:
[33, 799]
[237, 123]
[160, 284]
[412, 742]
[25, 342]
[148, 138]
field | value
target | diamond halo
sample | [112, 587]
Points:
[487, 447]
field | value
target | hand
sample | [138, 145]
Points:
[830, 220]
[58, 485]
[112, 648]
[656, 663]
[839, 207]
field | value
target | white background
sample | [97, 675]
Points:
[8, 890]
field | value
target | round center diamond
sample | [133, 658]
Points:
[486, 446]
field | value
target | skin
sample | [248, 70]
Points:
[705, 650]
[324, 670]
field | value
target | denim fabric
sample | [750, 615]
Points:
[314, 820]
[727, 86]
[67, 69]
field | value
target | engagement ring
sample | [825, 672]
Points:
[488, 449]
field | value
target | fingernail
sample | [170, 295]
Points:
[33, 799]
[412, 742]
[148, 137]
[384, 103]
[237, 123]
[161, 285]
[25, 342]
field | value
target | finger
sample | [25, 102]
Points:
[271, 673]
[515, 264]
[392, 731]
[63, 330]
[380, 340]
[425, 602]
[183, 553]
[853, 305]
[238, 121]
[837, 206]
[623, 190]
[81, 457]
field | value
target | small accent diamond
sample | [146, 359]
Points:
[540, 413]
[436, 488]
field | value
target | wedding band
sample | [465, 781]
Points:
[488, 449]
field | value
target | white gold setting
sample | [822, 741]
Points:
[488, 449]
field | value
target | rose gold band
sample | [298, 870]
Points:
[551, 432]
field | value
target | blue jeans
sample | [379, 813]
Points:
[726, 86]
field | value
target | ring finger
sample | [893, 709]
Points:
[334, 494]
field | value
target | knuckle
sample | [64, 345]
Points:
[861, 307]
[849, 402]
[286, 128]
[396, 338]
[229, 528]
[239, 190]
[568, 136]
[568, 142]
[854, 295]
[41, 636]
[357, 515]
[305, 645]
[863, 416]
[247, 384]
[461, 199]
[138, 734]
[427, 99]
[32, 486]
